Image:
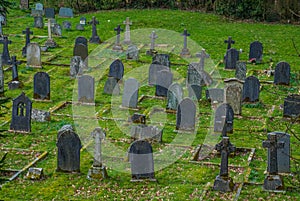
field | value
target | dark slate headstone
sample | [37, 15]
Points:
[186, 115]
[231, 57]
[86, 89]
[141, 160]
[164, 80]
[233, 94]
[21, 114]
[38, 22]
[80, 50]
[24, 4]
[132, 53]
[215, 95]
[111, 86]
[65, 12]
[174, 97]
[224, 115]
[33, 55]
[291, 107]
[76, 66]
[153, 72]
[256, 51]
[68, 150]
[41, 85]
[251, 89]
[95, 38]
[144, 132]
[116, 69]
[163, 59]
[82, 40]
[27, 32]
[195, 91]
[49, 13]
[131, 93]
[282, 73]
[57, 30]
[67, 25]
[241, 70]
[14, 68]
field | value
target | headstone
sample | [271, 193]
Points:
[65, 12]
[282, 73]
[144, 132]
[24, 4]
[127, 23]
[131, 93]
[14, 68]
[251, 89]
[33, 55]
[215, 95]
[231, 58]
[164, 80]
[82, 21]
[163, 59]
[117, 46]
[39, 6]
[256, 51]
[116, 69]
[153, 72]
[37, 13]
[57, 30]
[198, 77]
[174, 97]
[80, 50]
[291, 107]
[95, 38]
[2, 20]
[233, 94]
[35, 173]
[224, 116]
[241, 70]
[67, 25]
[141, 161]
[185, 52]
[50, 42]
[38, 22]
[5, 51]
[49, 13]
[229, 41]
[86, 89]
[152, 50]
[203, 55]
[40, 115]
[21, 114]
[112, 86]
[186, 115]
[68, 150]
[41, 85]
[81, 40]
[132, 53]
[137, 118]
[1, 79]
[79, 27]
[195, 91]
[27, 32]
[76, 66]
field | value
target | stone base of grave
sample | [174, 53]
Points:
[14, 85]
[151, 52]
[273, 182]
[50, 43]
[97, 173]
[95, 39]
[35, 173]
[118, 48]
[223, 184]
[185, 52]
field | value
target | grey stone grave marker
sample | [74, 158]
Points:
[233, 94]
[174, 97]
[33, 55]
[203, 55]
[38, 22]
[27, 32]
[24, 4]
[112, 86]
[39, 6]
[82, 40]
[229, 41]
[14, 83]
[251, 89]
[186, 115]
[291, 107]
[117, 46]
[163, 59]
[2, 20]
[231, 58]
[50, 41]
[95, 38]
[195, 76]
[41, 86]
[5, 52]
[215, 95]
[49, 13]
[116, 69]
[57, 30]
[241, 70]
[144, 132]
[132, 52]
[224, 117]
[127, 23]
[67, 25]
[195, 91]
[79, 27]
[154, 68]
[185, 52]
[65, 12]
[152, 50]
[80, 50]
[131, 93]
[164, 80]
[40, 115]
[76, 66]
[86, 89]
[282, 73]
[256, 51]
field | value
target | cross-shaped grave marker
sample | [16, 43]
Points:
[118, 46]
[202, 55]
[127, 23]
[185, 51]
[28, 33]
[5, 52]
[229, 41]
[152, 36]
[50, 42]
[95, 38]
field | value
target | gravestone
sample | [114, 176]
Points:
[291, 107]
[117, 46]
[1, 79]
[38, 22]
[186, 115]
[215, 95]
[82, 21]
[33, 55]
[40, 115]
[50, 41]
[203, 55]
[76, 66]
[224, 116]
[41, 85]
[198, 77]
[241, 70]
[50, 13]
[95, 38]
[57, 30]
[131, 93]
[256, 51]
[154, 68]
[164, 80]
[80, 50]
[21, 114]
[251, 89]
[231, 58]
[27, 32]
[282, 73]
[39, 6]
[152, 50]
[24, 4]
[132, 52]
[116, 69]
[68, 150]
[14, 68]
[144, 132]
[229, 41]
[65, 12]
[141, 160]
[195, 91]
[5, 52]
[137, 118]
[127, 23]
[163, 59]
[233, 94]
[67, 25]
[79, 27]
[185, 52]
[86, 89]
[174, 97]
[111, 86]
[81, 40]
[2, 21]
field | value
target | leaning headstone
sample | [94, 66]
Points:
[27, 32]
[163, 59]
[131, 93]
[231, 58]
[224, 116]
[256, 52]
[127, 23]
[186, 115]
[5, 52]
[57, 30]
[79, 27]
[233, 94]
[144, 132]
[154, 68]
[116, 69]
[82, 40]
[198, 77]
[185, 52]
[241, 70]
[68, 150]
[95, 38]
[65, 12]
[195, 91]
[132, 53]
[24, 4]
[33, 55]
[76, 66]
[202, 55]
[86, 89]
[282, 73]
[251, 89]
[80, 50]
[49, 13]
[67, 25]
[291, 107]
[174, 97]
[215, 95]
[41, 85]
[21, 114]
[141, 161]
[164, 80]
[40, 115]
[117, 46]
[111, 86]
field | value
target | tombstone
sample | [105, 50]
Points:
[137, 118]
[282, 73]
[132, 52]
[2, 21]
[79, 27]
[240, 70]
[80, 50]
[57, 30]
[131, 93]
[33, 55]
[224, 117]
[117, 46]
[127, 23]
[141, 160]
[153, 72]
[1, 80]
[231, 58]
[24, 4]
[251, 89]
[14, 68]
[50, 42]
[27, 32]
[215, 95]
[223, 182]
[68, 150]
[81, 40]
[163, 59]
[86, 89]
[229, 41]
[186, 115]
[5, 52]
[67, 25]
[203, 55]
[39, 6]
[185, 52]
[21, 114]
[256, 52]
[291, 107]
[76, 66]
[195, 91]
[152, 50]
[144, 132]
[65, 12]
[40, 115]
[38, 22]
[233, 94]
[197, 77]
[41, 85]
[50, 13]
[273, 181]
[116, 69]
[174, 97]
[111, 86]
[95, 38]
[164, 80]
[82, 21]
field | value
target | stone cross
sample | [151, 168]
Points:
[14, 67]
[118, 30]
[153, 36]
[127, 23]
[27, 32]
[49, 29]
[95, 38]
[229, 41]
[5, 52]
[98, 134]
[203, 55]
[185, 34]
[50, 42]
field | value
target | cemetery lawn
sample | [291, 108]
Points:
[184, 179]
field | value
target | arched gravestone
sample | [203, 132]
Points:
[86, 89]
[116, 69]
[33, 55]
[256, 51]
[233, 94]
[41, 86]
[141, 160]
[186, 115]
[174, 97]
[154, 69]
[131, 93]
[251, 89]
[282, 73]
[164, 80]
[82, 40]
[224, 114]
[80, 50]
[231, 57]
[68, 150]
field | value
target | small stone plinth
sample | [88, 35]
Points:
[35, 173]
[273, 183]
[223, 184]
[97, 173]
[50, 43]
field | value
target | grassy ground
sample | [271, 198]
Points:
[181, 180]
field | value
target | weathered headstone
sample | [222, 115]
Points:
[229, 41]
[163, 59]
[40, 115]
[241, 70]
[256, 52]
[24, 4]
[282, 73]
[117, 46]
[215, 95]
[144, 132]
[57, 30]
[27, 32]
[41, 85]
[203, 55]
[86, 89]
[152, 50]
[33, 55]
[195, 91]
[80, 50]
[116, 69]
[185, 52]
[141, 160]
[82, 40]
[39, 6]
[95, 38]
[127, 23]
[131, 93]
[2, 20]
[291, 107]
[174, 97]
[231, 58]
[21, 114]
[80, 27]
[111, 86]
[164, 80]
[68, 150]
[14, 68]
[186, 115]
[132, 53]
[251, 89]
[76, 66]
[224, 116]
[38, 22]
[233, 94]
[67, 25]
[49, 13]
[5, 52]
[154, 68]
[65, 12]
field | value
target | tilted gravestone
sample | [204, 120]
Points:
[132, 53]
[196, 76]
[215, 95]
[38, 22]
[164, 80]
[41, 85]
[224, 116]
[241, 70]
[116, 69]
[5, 52]
[233, 94]
[86, 89]
[141, 161]
[231, 58]
[152, 50]
[186, 115]
[195, 91]
[80, 50]
[33, 55]
[251, 89]
[174, 97]
[130, 93]
[144, 132]
[76, 66]
[68, 150]
[291, 107]
[256, 51]
[111, 86]
[163, 59]
[21, 114]
[282, 73]
[65, 12]
[154, 68]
